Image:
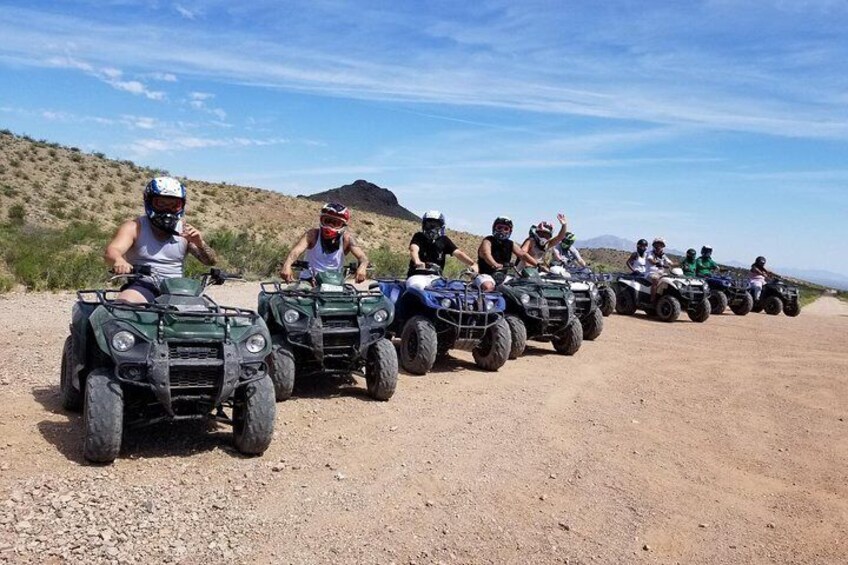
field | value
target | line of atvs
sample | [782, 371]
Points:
[184, 356]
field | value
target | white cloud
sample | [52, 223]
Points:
[163, 77]
[109, 75]
[181, 143]
[185, 12]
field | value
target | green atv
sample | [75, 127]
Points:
[180, 357]
[327, 326]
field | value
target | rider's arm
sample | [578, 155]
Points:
[296, 251]
[563, 229]
[359, 253]
[577, 257]
[521, 254]
[413, 254]
[485, 252]
[198, 247]
[120, 244]
[630, 261]
[462, 256]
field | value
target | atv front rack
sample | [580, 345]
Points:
[274, 287]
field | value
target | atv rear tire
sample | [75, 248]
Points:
[743, 307]
[608, 301]
[701, 312]
[791, 309]
[493, 350]
[518, 332]
[418, 345]
[718, 302]
[254, 412]
[668, 308]
[282, 369]
[381, 370]
[103, 415]
[773, 305]
[569, 340]
[625, 302]
[593, 324]
[71, 397]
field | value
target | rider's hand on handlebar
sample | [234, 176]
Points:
[474, 268]
[498, 266]
[286, 273]
[361, 273]
[420, 266]
[121, 267]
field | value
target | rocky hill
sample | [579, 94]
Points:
[45, 184]
[366, 196]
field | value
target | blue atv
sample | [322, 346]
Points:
[447, 314]
[726, 290]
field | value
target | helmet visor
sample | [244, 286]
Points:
[332, 222]
[167, 204]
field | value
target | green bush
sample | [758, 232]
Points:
[244, 253]
[17, 213]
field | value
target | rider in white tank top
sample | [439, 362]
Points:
[165, 256]
[321, 261]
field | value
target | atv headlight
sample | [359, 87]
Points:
[381, 316]
[490, 305]
[123, 341]
[291, 316]
[570, 298]
[446, 302]
[255, 343]
[524, 298]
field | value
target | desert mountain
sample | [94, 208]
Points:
[367, 196]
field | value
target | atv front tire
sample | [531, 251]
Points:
[518, 332]
[625, 302]
[701, 312]
[381, 370]
[103, 415]
[281, 369]
[593, 324]
[718, 302]
[254, 412]
[493, 350]
[668, 308]
[569, 340]
[71, 398]
[608, 301]
[773, 305]
[418, 345]
[744, 306]
[791, 309]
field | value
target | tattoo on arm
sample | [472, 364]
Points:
[204, 253]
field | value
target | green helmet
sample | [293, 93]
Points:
[568, 240]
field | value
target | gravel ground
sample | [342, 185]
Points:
[683, 443]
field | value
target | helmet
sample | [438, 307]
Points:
[691, 253]
[568, 240]
[433, 224]
[170, 187]
[658, 242]
[706, 250]
[503, 233]
[760, 261]
[642, 243]
[541, 233]
[334, 218]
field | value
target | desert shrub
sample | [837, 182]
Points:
[7, 283]
[109, 188]
[388, 263]
[47, 259]
[245, 253]
[17, 213]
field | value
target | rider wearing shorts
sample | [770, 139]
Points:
[496, 251]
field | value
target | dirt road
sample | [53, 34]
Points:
[724, 442]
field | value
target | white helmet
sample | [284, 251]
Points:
[433, 224]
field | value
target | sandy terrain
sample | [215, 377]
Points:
[724, 442]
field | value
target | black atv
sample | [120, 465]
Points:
[180, 357]
[633, 292]
[327, 326]
[778, 296]
[539, 309]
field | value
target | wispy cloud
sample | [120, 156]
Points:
[198, 101]
[185, 12]
[146, 146]
[110, 75]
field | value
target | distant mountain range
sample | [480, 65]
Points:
[818, 276]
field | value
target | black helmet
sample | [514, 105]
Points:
[642, 243]
[706, 250]
[760, 261]
[691, 253]
[502, 221]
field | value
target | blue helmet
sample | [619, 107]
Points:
[164, 186]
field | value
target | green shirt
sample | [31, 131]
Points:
[688, 267]
[705, 266]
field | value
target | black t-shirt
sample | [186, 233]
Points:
[501, 253]
[430, 251]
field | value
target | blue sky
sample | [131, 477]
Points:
[721, 122]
